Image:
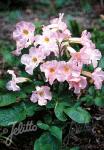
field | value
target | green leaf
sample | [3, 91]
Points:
[12, 115]
[47, 142]
[7, 99]
[88, 99]
[60, 3]
[59, 111]
[42, 125]
[78, 114]
[20, 95]
[2, 84]
[91, 90]
[11, 98]
[57, 132]
[16, 113]
[30, 108]
[99, 101]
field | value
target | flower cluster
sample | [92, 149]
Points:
[55, 40]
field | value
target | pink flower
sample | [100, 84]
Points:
[77, 83]
[76, 68]
[60, 70]
[23, 35]
[57, 24]
[98, 77]
[94, 54]
[47, 42]
[89, 48]
[50, 70]
[80, 57]
[41, 95]
[59, 28]
[65, 70]
[12, 85]
[33, 59]
[85, 38]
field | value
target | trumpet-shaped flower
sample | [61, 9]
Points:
[80, 57]
[50, 70]
[60, 70]
[94, 54]
[86, 38]
[12, 84]
[89, 48]
[33, 59]
[47, 42]
[98, 77]
[65, 70]
[77, 83]
[41, 95]
[59, 28]
[58, 25]
[23, 35]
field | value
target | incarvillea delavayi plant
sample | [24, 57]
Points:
[57, 79]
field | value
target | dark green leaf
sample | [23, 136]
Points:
[59, 111]
[91, 90]
[57, 132]
[47, 142]
[42, 125]
[78, 114]
[12, 115]
[7, 99]
[99, 101]
[30, 108]
[16, 113]
[2, 84]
